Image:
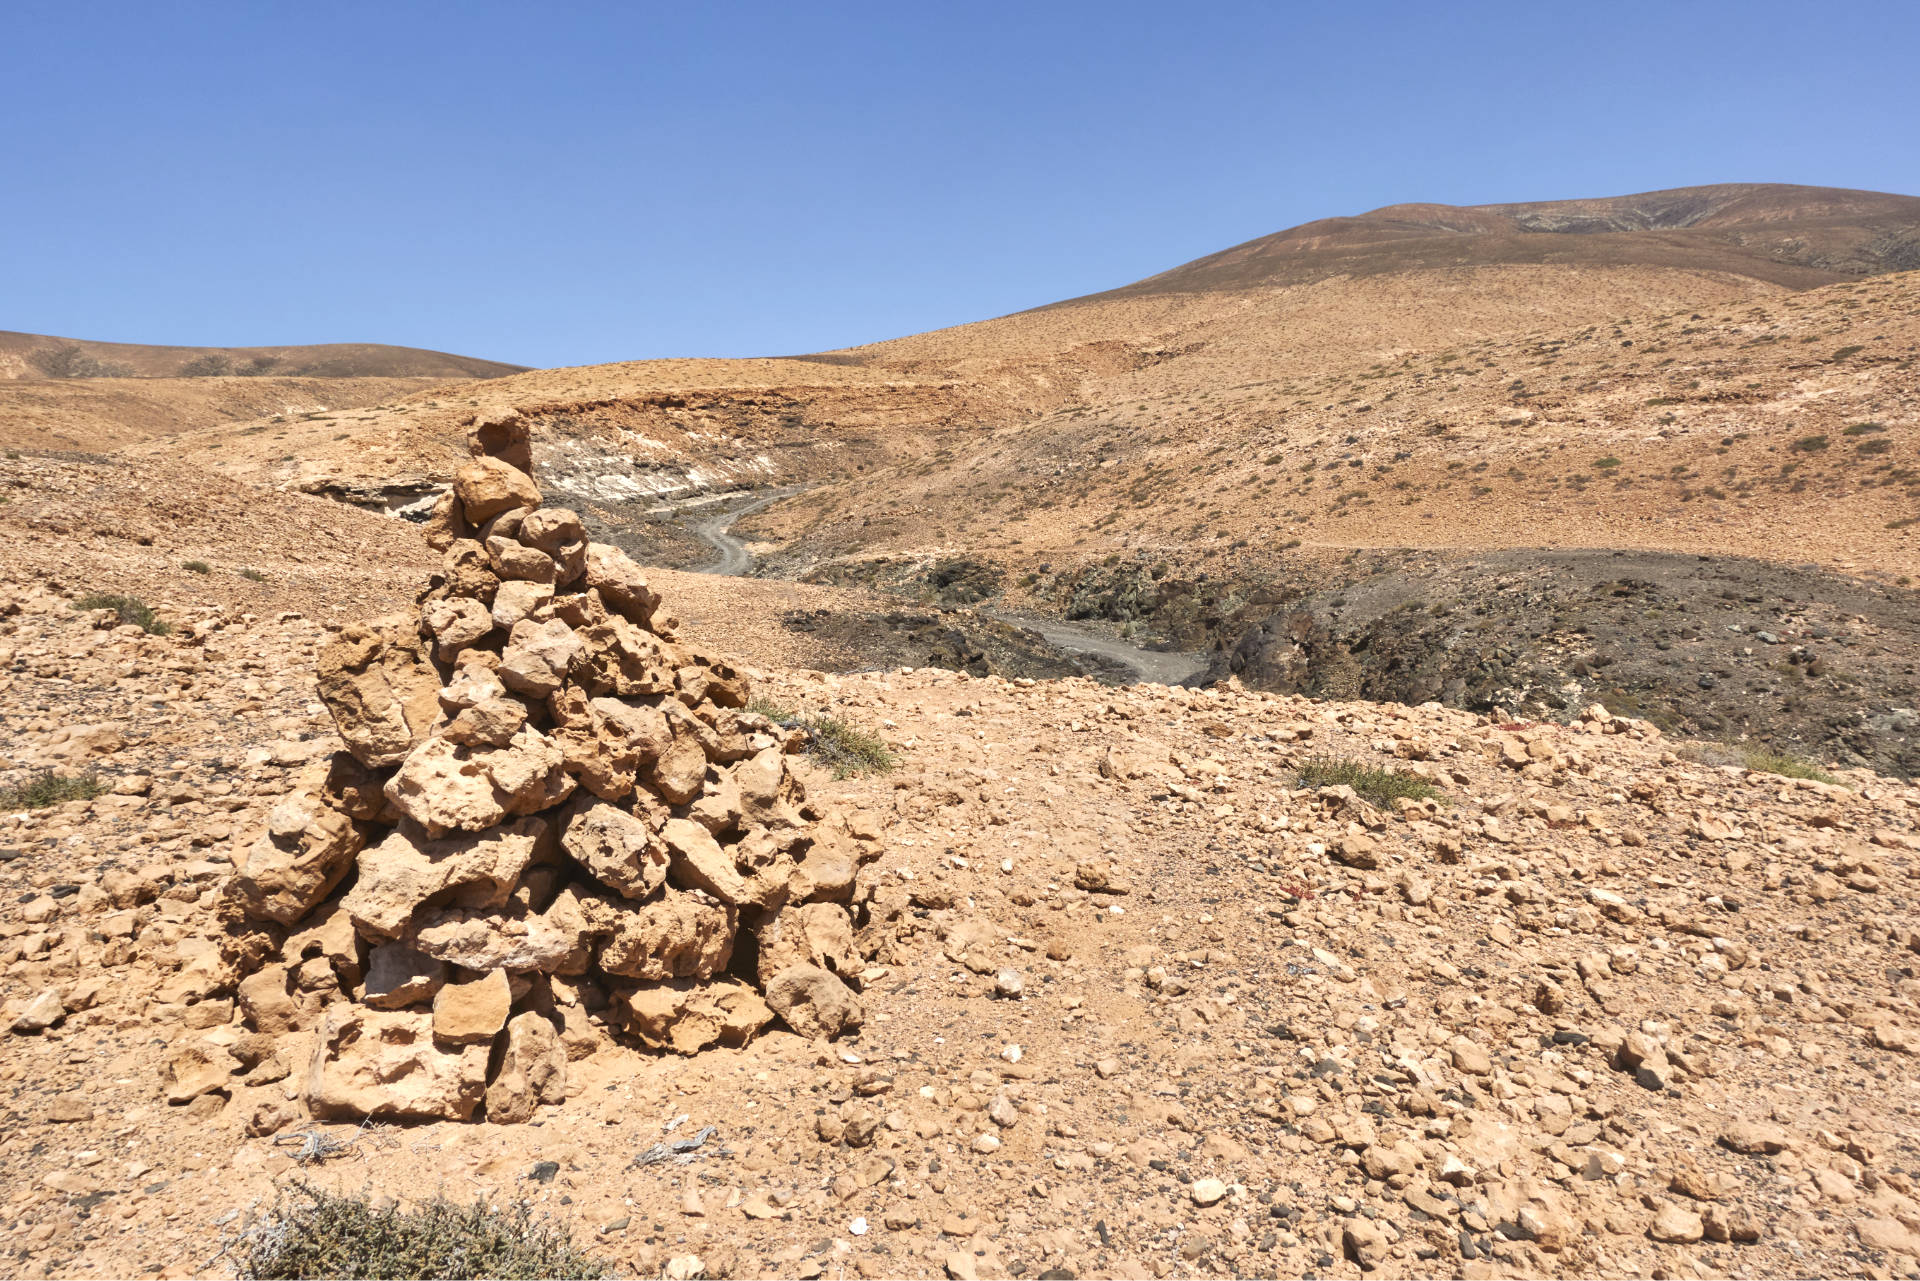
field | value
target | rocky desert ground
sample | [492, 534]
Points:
[384, 817]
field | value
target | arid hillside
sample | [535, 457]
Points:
[471, 861]
[1328, 300]
[1793, 236]
[71, 394]
[1777, 426]
[1150, 982]
[1288, 454]
[43, 356]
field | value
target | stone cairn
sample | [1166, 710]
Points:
[550, 824]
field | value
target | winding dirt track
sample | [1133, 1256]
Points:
[1149, 665]
[733, 557]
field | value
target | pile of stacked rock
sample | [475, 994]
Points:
[547, 814]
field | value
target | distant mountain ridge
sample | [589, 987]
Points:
[1799, 237]
[26, 356]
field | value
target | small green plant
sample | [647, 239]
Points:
[1809, 444]
[131, 609]
[253, 576]
[1606, 463]
[1377, 785]
[1767, 762]
[778, 713]
[1864, 429]
[196, 567]
[1844, 352]
[48, 788]
[848, 749]
[313, 1233]
[1873, 446]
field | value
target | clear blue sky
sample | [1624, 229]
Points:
[573, 183]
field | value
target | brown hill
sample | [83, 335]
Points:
[1302, 303]
[70, 394]
[37, 356]
[1465, 399]
[1787, 235]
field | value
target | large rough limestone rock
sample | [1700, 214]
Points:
[514, 561]
[467, 572]
[377, 682]
[502, 434]
[559, 534]
[680, 935]
[344, 784]
[446, 522]
[621, 583]
[472, 1012]
[538, 656]
[456, 623]
[306, 850]
[815, 934]
[603, 741]
[328, 935]
[616, 846]
[517, 599]
[264, 1000]
[813, 1002]
[407, 868]
[398, 976]
[743, 875]
[387, 1066]
[827, 871]
[681, 768]
[554, 826]
[624, 660]
[719, 681]
[556, 941]
[756, 793]
[488, 486]
[687, 1016]
[491, 722]
[533, 1070]
[530, 772]
[445, 787]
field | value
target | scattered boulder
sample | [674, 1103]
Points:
[42, 1012]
